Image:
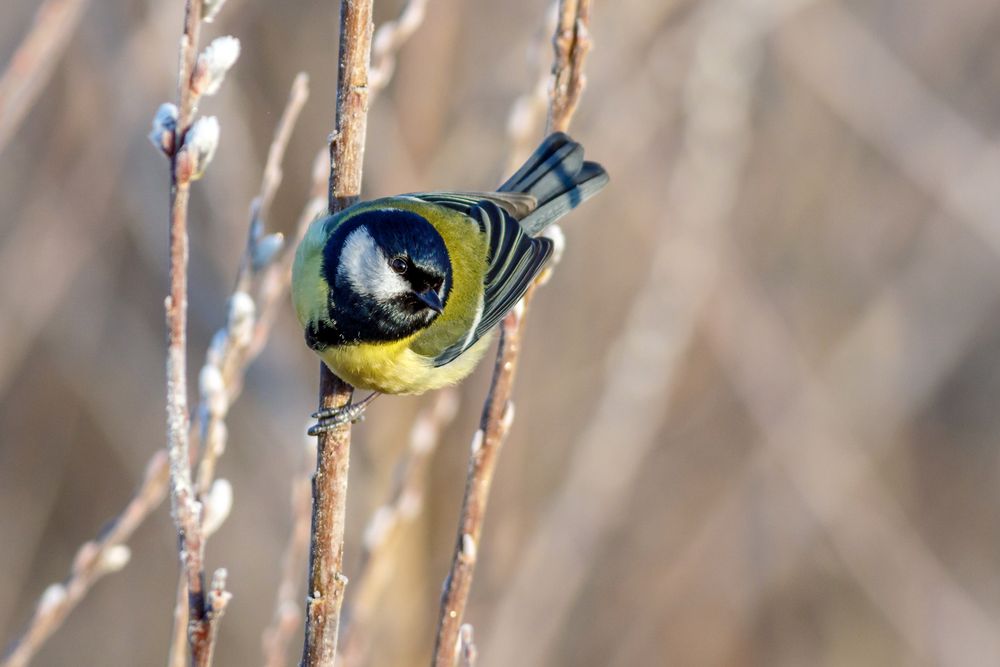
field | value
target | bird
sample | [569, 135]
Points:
[400, 295]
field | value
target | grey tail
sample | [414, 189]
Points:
[559, 179]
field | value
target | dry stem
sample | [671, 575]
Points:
[528, 112]
[402, 508]
[389, 37]
[497, 416]
[467, 652]
[278, 635]
[34, 61]
[571, 44]
[326, 554]
[187, 511]
[94, 559]
[232, 346]
[285, 619]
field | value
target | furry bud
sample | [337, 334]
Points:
[198, 149]
[164, 128]
[210, 70]
[210, 9]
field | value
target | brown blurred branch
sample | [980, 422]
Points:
[232, 347]
[105, 554]
[273, 174]
[326, 553]
[403, 507]
[92, 560]
[467, 652]
[230, 350]
[34, 61]
[186, 509]
[285, 619]
[571, 43]
[667, 306]
[528, 111]
[497, 416]
[836, 476]
[870, 88]
[284, 622]
[389, 38]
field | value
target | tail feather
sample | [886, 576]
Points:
[559, 179]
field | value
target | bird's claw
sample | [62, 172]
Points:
[331, 418]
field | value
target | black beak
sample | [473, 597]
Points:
[431, 299]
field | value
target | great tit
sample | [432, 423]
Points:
[399, 295]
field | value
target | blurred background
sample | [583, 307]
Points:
[756, 408]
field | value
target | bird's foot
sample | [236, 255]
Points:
[331, 418]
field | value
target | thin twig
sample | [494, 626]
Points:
[92, 560]
[232, 349]
[326, 554]
[278, 635]
[389, 37]
[273, 174]
[497, 416]
[34, 61]
[231, 345]
[203, 609]
[287, 613]
[105, 554]
[177, 653]
[668, 306]
[467, 652]
[571, 44]
[277, 278]
[528, 112]
[387, 41]
[402, 508]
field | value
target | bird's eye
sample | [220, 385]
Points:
[399, 264]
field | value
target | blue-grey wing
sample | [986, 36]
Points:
[514, 257]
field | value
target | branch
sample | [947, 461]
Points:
[184, 507]
[326, 553]
[232, 347]
[527, 113]
[286, 615]
[571, 43]
[95, 558]
[226, 359]
[498, 414]
[278, 635]
[34, 61]
[402, 508]
[105, 554]
[390, 36]
[388, 40]
[467, 652]
[190, 147]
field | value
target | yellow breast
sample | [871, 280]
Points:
[393, 368]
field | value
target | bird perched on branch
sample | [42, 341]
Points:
[399, 295]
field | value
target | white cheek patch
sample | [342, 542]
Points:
[366, 268]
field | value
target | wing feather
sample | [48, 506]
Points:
[515, 258]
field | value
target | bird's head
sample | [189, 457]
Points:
[388, 274]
